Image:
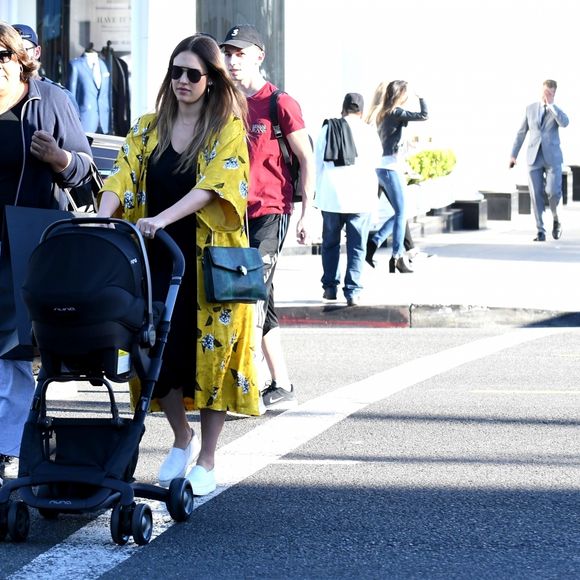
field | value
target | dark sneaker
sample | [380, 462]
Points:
[557, 230]
[541, 237]
[353, 300]
[329, 294]
[277, 398]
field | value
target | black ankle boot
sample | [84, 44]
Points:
[399, 264]
[371, 249]
[403, 266]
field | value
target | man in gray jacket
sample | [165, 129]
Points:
[544, 156]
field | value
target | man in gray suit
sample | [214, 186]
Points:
[544, 156]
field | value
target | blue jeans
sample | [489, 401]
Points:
[16, 392]
[393, 186]
[357, 231]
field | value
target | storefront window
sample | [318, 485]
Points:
[216, 18]
[54, 37]
[100, 25]
[87, 48]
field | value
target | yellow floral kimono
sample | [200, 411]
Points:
[226, 373]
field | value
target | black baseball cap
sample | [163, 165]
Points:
[353, 103]
[26, 32]
[242, 36]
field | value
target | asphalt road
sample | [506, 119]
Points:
[415, 453]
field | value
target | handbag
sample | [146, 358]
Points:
[233, 274]
[86, 195]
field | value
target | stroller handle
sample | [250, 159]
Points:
[176, 254]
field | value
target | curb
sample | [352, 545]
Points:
[422, 316]
[343, 315]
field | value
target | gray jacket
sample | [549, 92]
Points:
[48, 108]
[542, 134]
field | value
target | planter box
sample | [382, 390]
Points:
[575, 170]
[501, 205]
[474, 213]
[567, 193]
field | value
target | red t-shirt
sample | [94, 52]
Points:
[270, 182]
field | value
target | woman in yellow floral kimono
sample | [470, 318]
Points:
[185, 169]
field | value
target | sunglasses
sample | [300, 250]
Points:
[194, 75]
[6, 56]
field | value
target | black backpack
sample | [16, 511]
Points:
[290, 160]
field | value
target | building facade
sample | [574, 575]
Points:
[140, 33]
[471, 65]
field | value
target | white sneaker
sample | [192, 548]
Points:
[202, 481]
[178, 461]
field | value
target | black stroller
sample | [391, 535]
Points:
[88, 293]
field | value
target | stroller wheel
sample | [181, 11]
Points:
[142, 524]
[180, 501]
[120, 524]
[18, 521]
[3, 521]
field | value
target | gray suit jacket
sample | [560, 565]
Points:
[541, 134]
[94, 102]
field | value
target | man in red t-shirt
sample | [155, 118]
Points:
[270, 195]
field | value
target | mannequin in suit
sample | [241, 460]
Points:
[544, 156]
[89, 81]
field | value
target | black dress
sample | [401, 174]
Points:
[11, 160]
[11, 157]
[164, 188]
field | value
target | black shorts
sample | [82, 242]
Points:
[267, 233]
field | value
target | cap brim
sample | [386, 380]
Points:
[239, 44]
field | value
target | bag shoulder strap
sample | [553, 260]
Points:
[95, 183]
[276, 127]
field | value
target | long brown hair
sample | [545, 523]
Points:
[376, 103]
[221, 100]
[394, 96]
[12, 40]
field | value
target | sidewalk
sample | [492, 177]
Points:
[495, 276]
